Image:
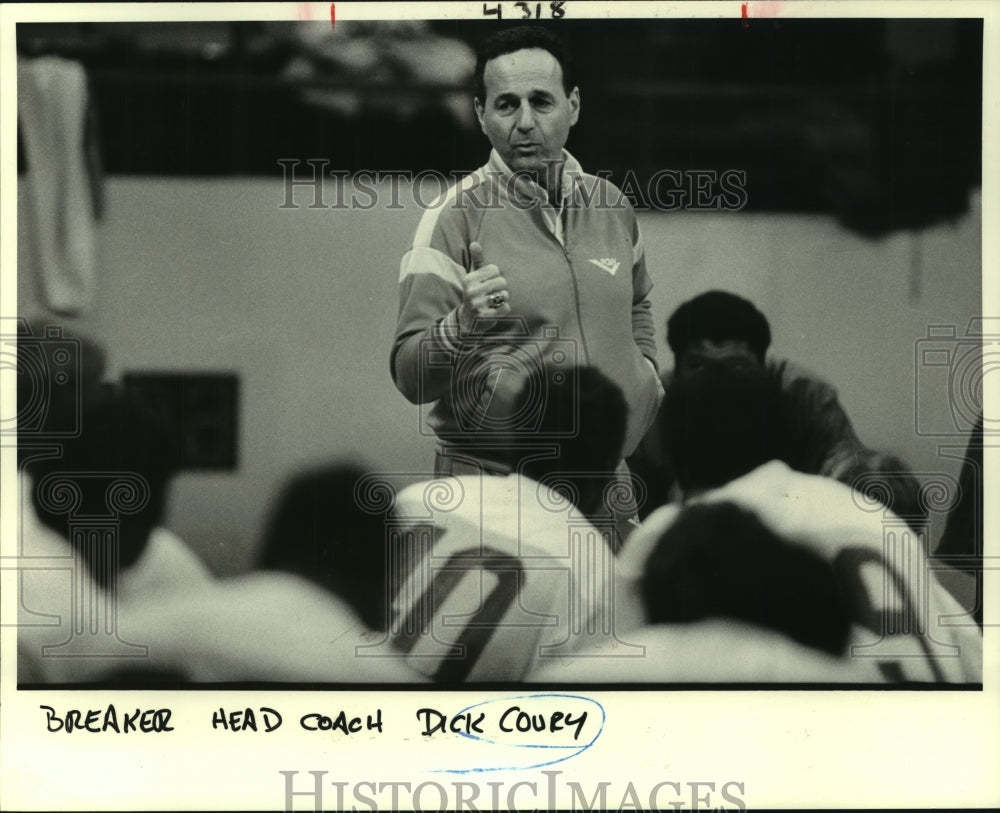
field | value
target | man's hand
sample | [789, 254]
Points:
[485, 296]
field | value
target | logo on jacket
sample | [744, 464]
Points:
[609, 264]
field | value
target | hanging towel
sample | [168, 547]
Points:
[52, 110]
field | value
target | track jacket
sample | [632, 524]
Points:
[578, 296]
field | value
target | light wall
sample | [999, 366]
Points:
[301, 304]
[852, 310]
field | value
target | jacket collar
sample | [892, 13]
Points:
[527, 189]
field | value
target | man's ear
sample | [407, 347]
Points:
[574, 105]
[478, 105]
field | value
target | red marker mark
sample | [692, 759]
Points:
[333, 16]
[762, 9]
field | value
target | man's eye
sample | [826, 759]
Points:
[543, 104]
[504, 107]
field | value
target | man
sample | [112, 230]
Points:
[529, 263]
[300, 621]
[721, 561]
[718, 329]
[584, 464]
[767, 574]
[93, 541]
[118, 435]
[505, 571]
[720, 424]
[319, 532]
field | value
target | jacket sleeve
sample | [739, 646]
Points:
[430, 292]
[825, 439]
[643, 330]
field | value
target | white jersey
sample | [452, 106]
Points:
[167, 615]
[496, 575]
[263, 626]
[716, 650]
[906, 625]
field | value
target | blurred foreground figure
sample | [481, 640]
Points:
[500, 573]
[765, 574]
[92, 541]
[108, 595]
[311, 611]
[319, 532]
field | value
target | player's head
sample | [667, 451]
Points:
[318, 531]
[721, 424]
[719, 561]
[115, 472]
[717, 328]
[584, 413]
[526, 101]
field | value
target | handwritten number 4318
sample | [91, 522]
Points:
[556, 10]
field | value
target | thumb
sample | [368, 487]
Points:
[476, 253]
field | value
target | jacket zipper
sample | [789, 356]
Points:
[572, 278]
[576, 301]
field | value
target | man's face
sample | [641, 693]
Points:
[526, 113]
[733, 354]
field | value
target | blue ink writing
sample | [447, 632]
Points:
[537, 722]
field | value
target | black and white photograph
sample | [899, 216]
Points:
[505, 405]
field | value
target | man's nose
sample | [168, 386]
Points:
[525, 118]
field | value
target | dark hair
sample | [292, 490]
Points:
[118, 436]
[318, 531]
[519, 38]
[583, 412]
[718, 560]
[719, 316]
[722, 423]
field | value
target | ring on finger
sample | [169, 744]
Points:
[497, 299]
